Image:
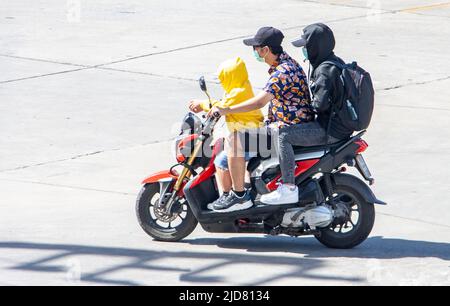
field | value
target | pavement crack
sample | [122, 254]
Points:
[414, 220]
[50, 162]
[85, 67]
[225, 40]
[415, 107]
[70, 187]
[156, 75]
[43, 60]
[415, 83]
[78, 156]
[102, 65]
[42, 75]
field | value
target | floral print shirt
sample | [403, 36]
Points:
[288, 84]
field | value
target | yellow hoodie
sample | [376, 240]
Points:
[234, 79]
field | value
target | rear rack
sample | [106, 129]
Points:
[357, 136]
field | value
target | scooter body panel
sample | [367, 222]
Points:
[160, 176]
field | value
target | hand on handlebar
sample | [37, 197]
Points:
[216, 112]
[195, 106]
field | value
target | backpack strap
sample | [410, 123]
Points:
[334, 63]
[338, 65]
[333, 105]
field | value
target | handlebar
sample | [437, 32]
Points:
[210, 123]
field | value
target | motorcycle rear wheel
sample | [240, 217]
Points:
[162, 230]
[337, 236]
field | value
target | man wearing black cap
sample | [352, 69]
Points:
[290, 104]
[317, 44]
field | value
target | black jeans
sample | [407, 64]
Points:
[303, 134]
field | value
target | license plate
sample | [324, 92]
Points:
[362, 167]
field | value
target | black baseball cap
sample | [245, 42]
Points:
[266, 36]
[309, 30]
[300, 41]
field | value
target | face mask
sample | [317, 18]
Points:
[305, 53]
[257, 57]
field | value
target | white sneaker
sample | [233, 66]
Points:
[283, 195]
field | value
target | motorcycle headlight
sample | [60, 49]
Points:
[176, 149]
[184, 144]
[192, 124]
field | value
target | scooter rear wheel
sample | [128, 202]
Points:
[351, 232]
[160, 227]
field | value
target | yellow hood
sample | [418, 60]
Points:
[233, 74]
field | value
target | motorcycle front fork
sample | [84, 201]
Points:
[185, 174]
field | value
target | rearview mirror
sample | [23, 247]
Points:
[202, 83]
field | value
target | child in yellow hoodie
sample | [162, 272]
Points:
[233, 77]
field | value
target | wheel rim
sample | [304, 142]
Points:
[349, 202]
[161, 220]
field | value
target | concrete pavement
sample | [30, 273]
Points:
[91, 94]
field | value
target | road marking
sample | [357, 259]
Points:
[425, 7]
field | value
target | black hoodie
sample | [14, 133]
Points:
[326, 86]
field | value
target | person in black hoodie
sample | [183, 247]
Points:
[327, 90]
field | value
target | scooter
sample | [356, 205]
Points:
[336, 207]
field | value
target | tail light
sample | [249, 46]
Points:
[362, 146]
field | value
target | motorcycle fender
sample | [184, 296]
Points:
[350, 180]
[158, 177]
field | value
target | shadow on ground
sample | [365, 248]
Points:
[300, 267]
[374, 247]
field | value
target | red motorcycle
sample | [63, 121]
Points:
[337, 208]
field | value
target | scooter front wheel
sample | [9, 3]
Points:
[161, 227]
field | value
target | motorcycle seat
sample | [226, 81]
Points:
[302, 149]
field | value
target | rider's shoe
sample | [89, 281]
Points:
[234, 203]
[219, 201]
[283, 195]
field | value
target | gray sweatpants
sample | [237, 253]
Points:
[303, 134]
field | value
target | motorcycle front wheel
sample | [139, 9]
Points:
[161, 227]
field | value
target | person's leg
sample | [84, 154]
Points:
[247, 180]
[222, 173]
[306, 134]
[237, 144]
[236, 162]
[286, 158]
[223, 179]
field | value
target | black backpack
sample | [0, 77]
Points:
[356, 109]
